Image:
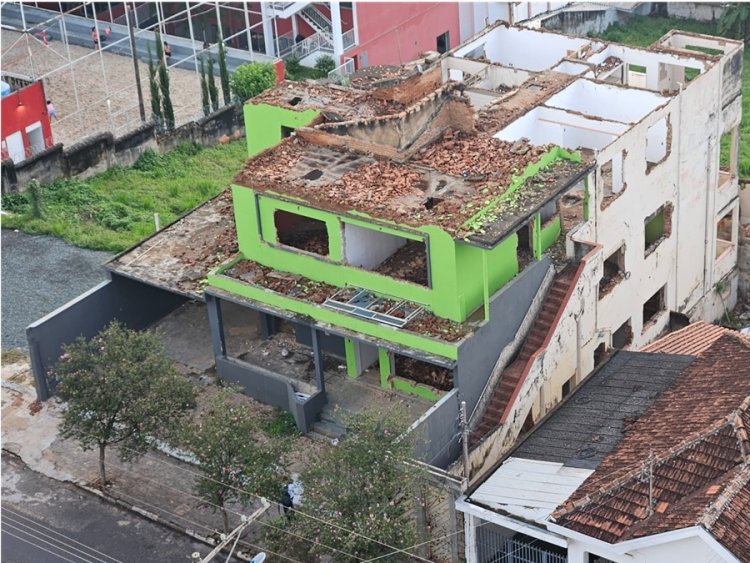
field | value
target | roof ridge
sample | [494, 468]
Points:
[717, 507]
[699, 436]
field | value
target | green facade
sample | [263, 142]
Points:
[263, 124]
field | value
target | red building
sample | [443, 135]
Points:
[25, 127]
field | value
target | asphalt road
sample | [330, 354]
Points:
[47, 521]
[40, 274]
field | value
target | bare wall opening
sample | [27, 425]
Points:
[658, 143]
[613, 179]
[623, 336]
[614, 271]
[386, 253]
[423, 372]
[657, 227]
[301, 232]
[653, 306]
[725, 230]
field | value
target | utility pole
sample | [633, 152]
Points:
[141, 108]
[235, 534]
[465, 440]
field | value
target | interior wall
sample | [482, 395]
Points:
[367, 248]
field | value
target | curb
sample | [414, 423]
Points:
[136, 510]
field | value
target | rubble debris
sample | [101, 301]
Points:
[409, 263]
[422, 372]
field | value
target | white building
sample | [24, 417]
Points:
[659, 239]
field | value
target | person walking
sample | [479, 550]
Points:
[51, 110]
[95, 37]
[167, 52]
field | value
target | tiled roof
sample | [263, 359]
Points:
[586, 427]
[702, 480]
[692, 340]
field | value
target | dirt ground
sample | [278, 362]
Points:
[90, 77]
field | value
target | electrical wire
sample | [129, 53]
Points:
[55, 544]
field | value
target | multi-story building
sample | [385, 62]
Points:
[481, 230]
[26, 127]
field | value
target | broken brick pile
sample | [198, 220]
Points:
[300, 287]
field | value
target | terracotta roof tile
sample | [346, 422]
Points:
[689, 452]
[692, 340]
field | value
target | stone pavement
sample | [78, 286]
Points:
[157, 486]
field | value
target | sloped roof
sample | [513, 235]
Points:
[692, 340]
[702, 480]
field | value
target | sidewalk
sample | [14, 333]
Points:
[156, 486]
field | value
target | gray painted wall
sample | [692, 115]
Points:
[272, 389]
[438, 433]
[477, 356]
[134, 304]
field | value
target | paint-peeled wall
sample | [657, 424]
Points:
[263, 124]
[399, 32]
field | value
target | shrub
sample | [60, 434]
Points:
[251, 79]
[292, 65]
[325, 64]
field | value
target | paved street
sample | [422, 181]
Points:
[47, 521]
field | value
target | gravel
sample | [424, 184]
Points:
[40, 274]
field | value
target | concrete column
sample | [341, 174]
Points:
[268, 325]
[470, 538]
[267, 18]
[338, 40]
[216, 323]
[295, 27]
[318, 357]
[355, 23]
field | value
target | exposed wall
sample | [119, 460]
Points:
[264, 123]
[133, 303]
[701, 11]
[22, 108]
[584, 22]
[438, 431]
[399, 32]
[102, 151]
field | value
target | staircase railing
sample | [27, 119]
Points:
[315, 42]
[349, 39]
[342, 70]
[316, 18]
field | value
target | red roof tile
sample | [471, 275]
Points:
[683, 463]
[692, 340]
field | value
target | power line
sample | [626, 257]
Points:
[36, 545]
[19, 527]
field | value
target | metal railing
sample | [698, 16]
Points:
[493, 547]
[316, 19]
[343, 70]
[309, 45]
[349, 39]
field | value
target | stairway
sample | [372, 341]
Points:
[511, 376]
[318, 21]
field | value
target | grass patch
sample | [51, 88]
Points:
[11, 356]
[305, 72]
[642, 31]
[114, 210]
[280, 425]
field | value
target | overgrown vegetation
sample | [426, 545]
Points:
[166, 98]
[250, 79]
[212, 91]
[325, 64]
[641, 31]
[205, 100]
[11, 356]
[224, 72]
[153, 87]
[115, 209]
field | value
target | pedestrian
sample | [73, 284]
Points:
[167, 52]
[51, 110]
[107, 32]
[286, 499]
[95, 37]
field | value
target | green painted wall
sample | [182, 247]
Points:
[263, 124]
[351, 357]
[326, 315]
[550, 232]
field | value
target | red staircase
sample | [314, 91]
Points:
[511, 376]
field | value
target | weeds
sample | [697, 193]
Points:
[115, 209]
[280, 425]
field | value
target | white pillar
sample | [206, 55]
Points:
[355, 23]
[470, 538]
[247, 29]
[338, 40]
[267, 29]
[295, 27]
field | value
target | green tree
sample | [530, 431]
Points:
[154, 88]
[166, 99]
[212, 91]
[234, 465]
[121, 390]
[325, 64]
[224, 73]
[250, 79]
[735, 21]
[205, 102]
[363, 486]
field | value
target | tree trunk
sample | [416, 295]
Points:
[102, 471]
[225, 516]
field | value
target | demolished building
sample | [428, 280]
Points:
[482, 230]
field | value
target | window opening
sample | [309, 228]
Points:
[614, 271]
[286, 132]
[386, 253]
[423, 372]
[443, 42]
[724, 234]
[613, 181]
[623, 336]
[657, 227]
[567, 387]
[304, 233]
[653, 307]
[658, 141]
[599, 354]
[524, 252]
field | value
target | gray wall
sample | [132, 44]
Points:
[477, 356]
[134, 304]
[272, 389]
[102, 151]
[438, 433]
